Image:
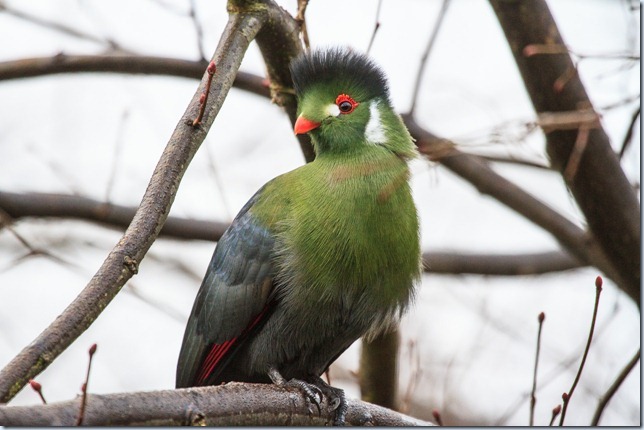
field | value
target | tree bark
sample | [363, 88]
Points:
[233, 404]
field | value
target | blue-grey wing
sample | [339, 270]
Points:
[232, 297]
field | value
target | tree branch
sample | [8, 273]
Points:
[122, 262]
[50, 205]
[608, 395]
[279, 44]
[597, 181]
[536, 263]
[130, 64]
[233, 404]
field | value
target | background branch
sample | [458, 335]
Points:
[130, 64]
[50, 205]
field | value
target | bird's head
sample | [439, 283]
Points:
[343, 103]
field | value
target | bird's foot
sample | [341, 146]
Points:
[336, 397]
[314, 388]
[310, 391]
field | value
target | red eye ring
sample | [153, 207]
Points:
[346, 104]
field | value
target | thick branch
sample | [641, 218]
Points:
[122, 262]
[233, 404]
[584, 156]
[279, 44]
[48, 205]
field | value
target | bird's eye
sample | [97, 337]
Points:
[345, 103]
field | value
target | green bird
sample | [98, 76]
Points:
[319, 256]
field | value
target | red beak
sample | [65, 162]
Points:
[304, 125]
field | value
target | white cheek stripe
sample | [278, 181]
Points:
[333, 110]
[375, 132]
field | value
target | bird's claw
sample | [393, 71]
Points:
[314, 390]
[310, 391]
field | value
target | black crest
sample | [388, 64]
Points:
[346, 71]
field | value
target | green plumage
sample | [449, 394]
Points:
[347, 227]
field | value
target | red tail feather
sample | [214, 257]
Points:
[219, 350]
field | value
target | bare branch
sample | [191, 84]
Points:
[122, 263]
[567, 396]
[62, 28]
[375, 27]
[198, 29]
[46, 205]
[279, 44]
[224, 405]
[533, 396]
[513, 160]
[425, 56]
[629, 133]
[301, 20]
[614, 387]
[131, 64]
[499, 264]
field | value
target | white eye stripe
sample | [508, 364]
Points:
[375, 132]
[333, 110]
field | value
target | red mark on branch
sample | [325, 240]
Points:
[212, 68]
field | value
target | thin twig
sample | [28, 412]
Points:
[375, 27]
[551, 49]
[566, 396]
[62, 28]
[614, 387]
[629, 133]
[198, 29]
[81, 413]
[577, 152]
[425, 56]
[533, 397]
[118, 146]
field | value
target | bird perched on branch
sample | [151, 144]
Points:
[319, 256]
